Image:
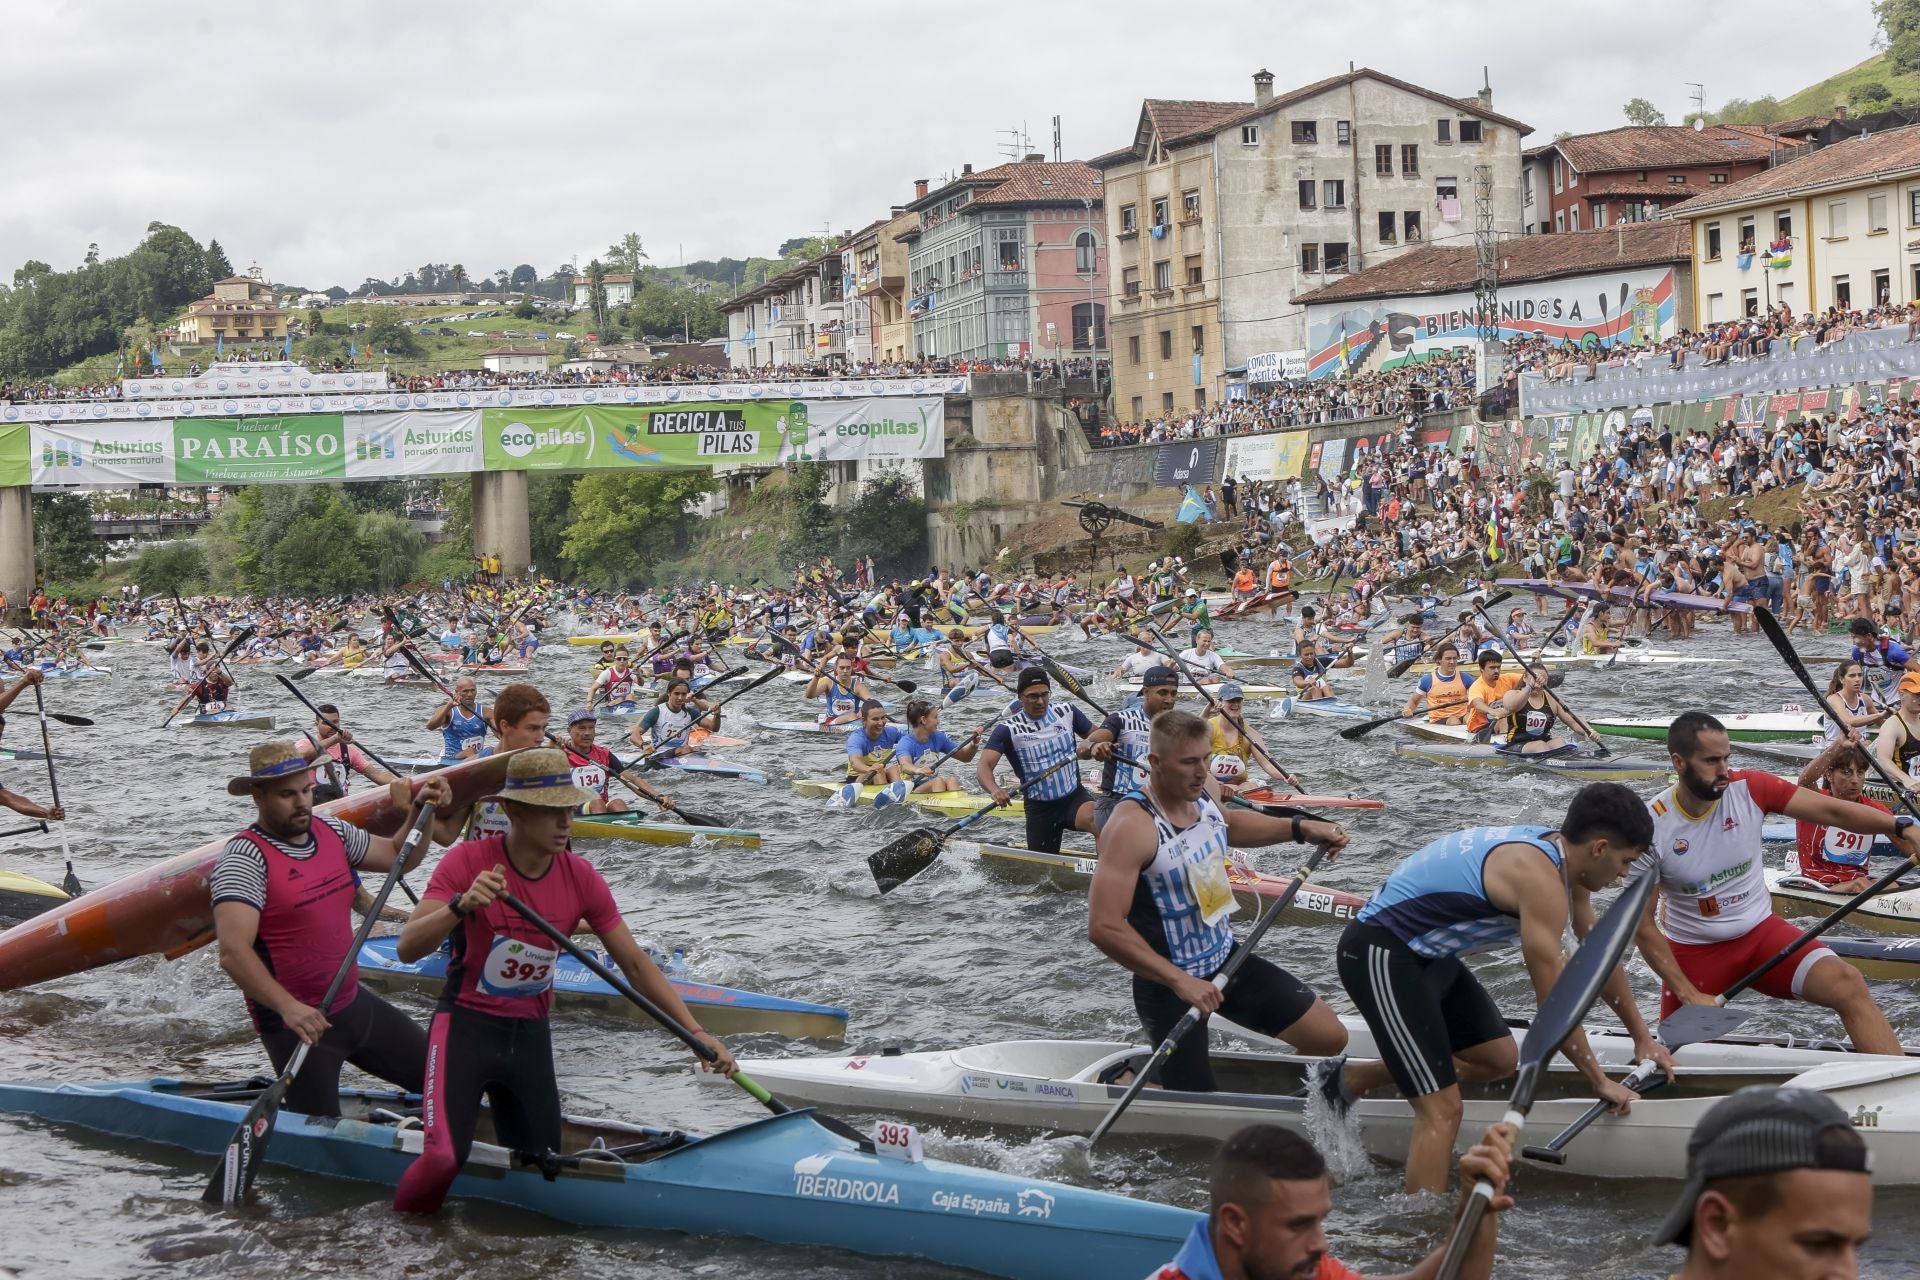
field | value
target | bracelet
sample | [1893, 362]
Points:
[459, 913]
[1296, 829]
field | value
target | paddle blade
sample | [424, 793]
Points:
[846, 797]
[71, 885]
[892, 793]
[1693, 1023]
[905, 858]
[1361, 730]
[1580, 980]
[1280, 710]
[905, 686]
[78, 722]
[232, 1180]
[964, 690]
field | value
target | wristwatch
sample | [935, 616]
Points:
[459, 912]
[1901, 821]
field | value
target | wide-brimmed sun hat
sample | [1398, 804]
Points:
[268, 762]
[541, 776]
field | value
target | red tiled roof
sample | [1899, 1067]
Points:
[1800, 124]
[1039, 182]
[1449, 269]
[1176, 120]
[1849, 161]
[1675, 191]
[1661, 146]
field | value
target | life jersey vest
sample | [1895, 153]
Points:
[1245, 581]
[1132, 738]
[1280, 576]
[1183, 901]
[306, 928]
[1227, 761]
[669, 725]
[619, 687]
[1446, 698]
[838, 701]
[1533, 724]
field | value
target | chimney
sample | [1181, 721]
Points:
[965, 170]
[1485, 96]
[919, 188]
[1262, 87]
[1034, 157]
[894, 211]
[1839, 111]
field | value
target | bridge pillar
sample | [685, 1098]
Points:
[500, 523]
[16, 545]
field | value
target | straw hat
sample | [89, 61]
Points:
[268, 762]
[541, 776]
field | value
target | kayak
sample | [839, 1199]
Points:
[76, 673]
[724, 1011]
[782, 1178]
[232, 718]
[958, 804]
[1897, 911]
[635, 826]
[498, 668]
[8, 754]
[1288, 707]
[1251, 606]
[1763, 726]
[598, 639]
[1061, 1086]
[715, 765]
[807, 726]
[1132, 689]
[1580, 764]
[1622, 596]
[166, 908]
[1267, 795]
[23, 897]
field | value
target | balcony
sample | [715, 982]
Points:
[1007, 278]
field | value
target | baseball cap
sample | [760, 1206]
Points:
[1158, 677]
[1030, 677]
[1910, 682]
[1759, 1130]
[1231, 692]
[1192, 592]
[578, 715]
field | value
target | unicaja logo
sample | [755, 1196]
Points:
[517, 439]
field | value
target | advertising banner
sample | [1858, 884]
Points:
[697, 434]
[283, 450]
[1189, 462]
[96, 455]
[1280, 456]
[13, 454]
[1277, 366]
[383, 445]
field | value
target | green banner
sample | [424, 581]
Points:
[592, 437]
[261, 450]
[15, 452]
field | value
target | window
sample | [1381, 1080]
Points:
[1133, 357]
[1130, 282]
[1166, 344]
[1746, 236]
[1411, 219]
[1409, 160]
[1783, 224]
[1876, 214]
[1343, 133]
[1560, 220]
[1715, 306]
[1784, 293]
[1599, 213]
[1199, 336]
[1383, 161]
[1309, 193]
[1129, 219]
[1443, 131]
[1641, 176]
[1305, 132]
[1469, 131]
[1160, 212]
[1573, 218]
[1336, 256]
[1199, 397]
[1190, 203]
[1676, 179]
[1913, 210]
[1716, 179]
[1195, 274]
[1166, 402]
[1089, 326]
[1882, 288]
[1556, 175]
[1139, 409]
[1249, 135]
[1750, 302]
[1836, 219]
[1843, 292]
[1009, 256]
[1713, 242]
[1310, 258]
[1333, 193]
[1086, 254]
[1446, 188]
[1389, 225]
[1162, 276]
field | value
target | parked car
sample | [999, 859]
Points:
[475, 333]
[447, 332]
[563, 334]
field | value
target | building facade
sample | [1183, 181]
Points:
[1632, 173]
[618, 290]
[512, 359]
[1838, 227]
[1221, 212]
[796, 318]
[1008, 262]
[874, 267]
[240, 309]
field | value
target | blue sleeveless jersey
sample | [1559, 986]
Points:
[1436, 901]
[462, 728]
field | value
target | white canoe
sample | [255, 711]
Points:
[1132, 689]
[1056, 1085]
[1896, 912]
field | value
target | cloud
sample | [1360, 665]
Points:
[328, 142]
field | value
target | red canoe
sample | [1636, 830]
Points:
[1267, 795]
[167, 909]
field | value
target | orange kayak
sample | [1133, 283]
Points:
[1267, 795]
[167, 909]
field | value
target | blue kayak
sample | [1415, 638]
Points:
[781, 1178]
[722, 1010]
[714, 765]
[233, 718]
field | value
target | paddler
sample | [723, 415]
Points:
[490, 1033]
[1203, 663]
[1535, 713]
[1897, 745]
[1884, 658]
[671, 726]
[1037, 735]
[1127, 733]
[1853, 708]
[282, 895]
[1593, 635]
[211, 689]
[1246, 585]
[1199, 621]
[342, 758]
[915, 750]
[1486, 714]
[1310, 667]
[1232, 744]
[1161, 906]
[615, 685]
[840, 691]
[461, 723]
[519, 719]
[1003, 649]
[1490, 887]
[13, 799]
[1142, 660]
[871, 746]
[1834, 857]
[1444, 690]
[1405, 643]
[1717, 922]
[595, 767]
[1280, 580]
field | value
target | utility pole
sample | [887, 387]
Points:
[1056, 139]
[1486, 284]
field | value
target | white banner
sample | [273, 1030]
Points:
[1277, 366]
[251, 379]
[864, 429]
[382, 446]
[101, 455]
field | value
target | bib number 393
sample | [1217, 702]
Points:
[893, 1140]
[517, 968]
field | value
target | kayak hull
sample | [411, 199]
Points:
[23, 897]
[1766, 726]
[1896, 912]
[1479, 755]
[715, 766]
[956, 804]
[634, 826]
[228, 720]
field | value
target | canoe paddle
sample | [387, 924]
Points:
[1354, 733]
[909, 855]
[1600, 748]
[1643, 1079]
[1062, 677]
[1560, 1015]
[234, 642]
[71, 884]
[246, 1150]
[1192, 1017]
[701, 1049]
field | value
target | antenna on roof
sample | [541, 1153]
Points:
[1017, 143]
[1056, 139]
[1699, 104]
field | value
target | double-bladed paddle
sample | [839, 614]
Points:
[246, 1150]
[71, 884]
[234, 642]
[1560, 1015]
[1643, 1079]
[906, 857]
[1354, 733]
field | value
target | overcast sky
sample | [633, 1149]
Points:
[330, 142]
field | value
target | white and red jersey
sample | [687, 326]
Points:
[1712, 873]
[1831, 855]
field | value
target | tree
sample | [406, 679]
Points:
[389, 549]
[218, 268]
[63, 540]
[457, 277]
[888, 522]
[1899, 23]
[811, 530]
[523, 277]
[523, 309]
[1641, 112]
[626, 522]
[1870, 97]
[170, 566]
[597, 292]
[626, 255]
[549, 516]
[388, 332]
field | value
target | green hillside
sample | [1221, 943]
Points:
[1847, 86]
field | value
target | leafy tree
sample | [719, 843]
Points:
[524, 309]
[811, 530]
[218, 268]
[1869, 97]
[51, 319]
[388, 332]
[626, 254]
[338, 294]
[1641, 112]
[368, 496]
[320, 553]
[597, 292]
[457, 276]
[888, 521]
[626, 522]
[1899, 23]
[174, 565]
[389, 550]
[549, 516]
[523, 277]
[313, 320]
[63, 541]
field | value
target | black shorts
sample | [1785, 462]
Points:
[1262, 997]
[1001, 659]
[371, 1034]
[1048, 820]
[1421, 1011]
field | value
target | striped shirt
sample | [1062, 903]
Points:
[1184, 901]
[241, 873]
[1436, 901]
[1034, 746]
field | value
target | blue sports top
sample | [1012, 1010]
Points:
[1436, 901]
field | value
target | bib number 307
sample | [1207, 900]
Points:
[894, 1140]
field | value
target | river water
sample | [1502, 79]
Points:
[958, 956]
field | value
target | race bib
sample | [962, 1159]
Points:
[1227, 767]
[592, 777]
[1847, 847]
[1211, 888]
[517, 968]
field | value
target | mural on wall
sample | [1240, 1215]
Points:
[1590, 310]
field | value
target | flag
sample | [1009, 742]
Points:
[219, 343]
[1346, 350]
[286, 346]
[1192, 508]
[1496, 538]
[353, 350]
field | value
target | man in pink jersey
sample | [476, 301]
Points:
[282, 896]
[1718, 923]
[490, 1033]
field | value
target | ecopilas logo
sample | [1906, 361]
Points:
[517, 439]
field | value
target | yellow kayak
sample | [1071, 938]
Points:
[588, 642]
[639, 828]
[22, 896]
[958, 804]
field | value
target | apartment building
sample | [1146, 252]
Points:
[1221, 212]
[796, 318]
[874, 266]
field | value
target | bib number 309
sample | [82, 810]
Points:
[897, 1141]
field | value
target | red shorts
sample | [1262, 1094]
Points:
[1715, 966]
